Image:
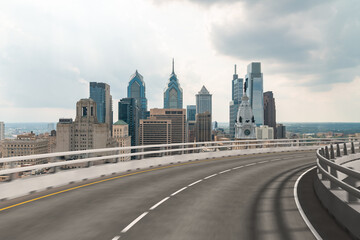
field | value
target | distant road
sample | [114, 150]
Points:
[248, 197]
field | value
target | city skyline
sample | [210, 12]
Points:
[50, 54]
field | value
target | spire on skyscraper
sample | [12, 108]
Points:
[235, 68]
[173, 72]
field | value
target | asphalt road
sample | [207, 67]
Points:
[230, 198]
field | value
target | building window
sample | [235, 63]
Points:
[84, 111]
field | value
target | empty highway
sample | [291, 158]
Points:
[247, 197]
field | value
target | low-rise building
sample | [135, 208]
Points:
[121, 135]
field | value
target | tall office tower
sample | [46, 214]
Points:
[270, 111]
[173, 94]
[121, 136]
[203, 127]
[280, 131]
[136, 89]
[2, 131]
[236, 95]
[178, 119]
[129, 113]
[100, 93]
[85, 132]
[190, 131]
[203, 101]
[155, 131]
[254, 85]
[190, 112]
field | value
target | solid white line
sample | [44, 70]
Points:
[247, 165]
[134, 222]
[306, 220]
[237, 167]
[225, 171]
[194, 183]
[182, 189]
[156, 205]
[210, 176]
[116, 238]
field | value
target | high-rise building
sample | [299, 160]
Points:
[203, 101]
[136, 89]
[121, 136]
[190, 112]
[173, 94]
[236, 95]
[129, 113]
[85, 132]
[178, 119]
[190, 131]
[270, 111]
[245, 121]
[100, 93]
[2, 131]
[280, 131]
[254, 89]
[155, 131]
[203, 127]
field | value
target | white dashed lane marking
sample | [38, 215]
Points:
[210, 176]
[195, 183]
[182, 189]
[156, 205]
[134, 222]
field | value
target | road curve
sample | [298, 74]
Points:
[247, 197]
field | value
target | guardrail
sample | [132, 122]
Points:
[337, 185]
[86, 158]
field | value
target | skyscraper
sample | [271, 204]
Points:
[2, 131]
[178, 119]
[236, 95]
[100, 93]
[203, 101]
[203, 127]
[270, 111]
[173, 94]
[129, 113]
[190, 112]
[85, 132]
[245, 122]
[254, 84]
[136, 89]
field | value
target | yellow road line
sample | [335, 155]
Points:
[121, 176]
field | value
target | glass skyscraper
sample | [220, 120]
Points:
[129, 113]
[237, 89]
[173, 94]
[136, 89]
[100, 93]
[254, 83]
[190, 112]
[203, 101]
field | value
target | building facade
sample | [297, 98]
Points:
[122, 138]
[178, 119]
[190, 131]
[2, 131]
[155, 131]
[23, 145]
[173, 93]
[129, 113]
[203, 127]
[264, 132]
[280, 131]
[254, 89]
[270, 111]
[100, 93]
[245, 122]
[203, 101]
[136, 89]
[190, 112]
[83, 133]
[237, 90]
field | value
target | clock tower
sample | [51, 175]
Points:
[245, 122]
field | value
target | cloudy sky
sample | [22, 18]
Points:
[51, 50]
